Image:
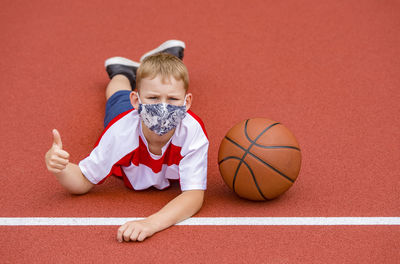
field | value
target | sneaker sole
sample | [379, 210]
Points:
[121, 61]
[166, 45]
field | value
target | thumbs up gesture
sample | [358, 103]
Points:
[56, 158]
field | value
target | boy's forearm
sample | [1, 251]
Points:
[72, 179]
[182, 207]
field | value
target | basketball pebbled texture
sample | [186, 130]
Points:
[259, 159]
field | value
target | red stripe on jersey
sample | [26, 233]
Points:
[198, 120]
[117, 169]
[112, 122]
[126, 181]
[172, 155]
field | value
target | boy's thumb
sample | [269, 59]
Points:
[57, 138]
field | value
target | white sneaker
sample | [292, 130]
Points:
[121, 61]
[174, 47]
[120, 65]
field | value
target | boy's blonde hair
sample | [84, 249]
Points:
[165, 65]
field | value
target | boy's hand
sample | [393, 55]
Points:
[56, 158]
[135, 231]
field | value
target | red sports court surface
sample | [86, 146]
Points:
[328, 70]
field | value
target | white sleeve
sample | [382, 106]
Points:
[193, 166]
[116, 143]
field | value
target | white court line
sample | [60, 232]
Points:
[207, 221]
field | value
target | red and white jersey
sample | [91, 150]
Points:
[122, 150]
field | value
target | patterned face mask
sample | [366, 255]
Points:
[161, 118]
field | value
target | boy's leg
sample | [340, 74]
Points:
[123, 66]
[118, 98]
[118, 83]
[174, 47]
[122, 73]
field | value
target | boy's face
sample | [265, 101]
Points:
[154, 91]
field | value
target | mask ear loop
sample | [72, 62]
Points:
[137, 94]
[184, 104]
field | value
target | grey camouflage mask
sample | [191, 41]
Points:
[161, 118]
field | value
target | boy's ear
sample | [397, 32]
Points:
[134, 99]
[189, 98]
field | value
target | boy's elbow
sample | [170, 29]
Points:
[201, 197]
[80, 190]
[197, 199]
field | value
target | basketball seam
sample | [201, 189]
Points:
[265, 163]
[268, 147]
[248, 151]
[251, 171]
[277, 147]
[262, 132]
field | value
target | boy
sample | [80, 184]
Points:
[150, 137]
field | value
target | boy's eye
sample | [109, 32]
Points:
[153, 98]
[173, 99]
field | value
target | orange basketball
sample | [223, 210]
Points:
[259, 159]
